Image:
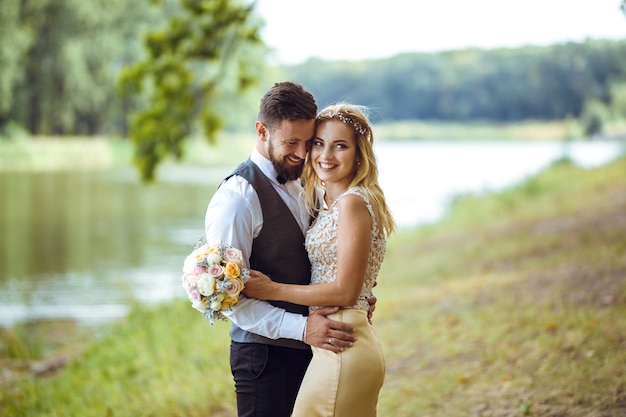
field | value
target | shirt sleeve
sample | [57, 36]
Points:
[264, 319]
[234, 216]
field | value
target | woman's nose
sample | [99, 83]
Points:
[326, 151]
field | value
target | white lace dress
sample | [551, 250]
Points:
[345, 384]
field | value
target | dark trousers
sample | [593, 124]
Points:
[267, 378]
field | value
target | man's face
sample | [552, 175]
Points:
[287, 147]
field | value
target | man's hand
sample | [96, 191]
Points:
[328, 334]
[370, 312]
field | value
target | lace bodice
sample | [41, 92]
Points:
[321, 244]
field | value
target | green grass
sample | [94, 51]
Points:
[163, 360]
[513, 305]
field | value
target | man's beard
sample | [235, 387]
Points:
[283, 168]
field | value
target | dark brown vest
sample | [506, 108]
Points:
[278, 251]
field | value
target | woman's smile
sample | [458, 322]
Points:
[325, 165]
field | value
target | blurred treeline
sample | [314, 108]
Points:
[60, 63]
[555, 82]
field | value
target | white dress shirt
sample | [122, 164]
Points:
[234, 216]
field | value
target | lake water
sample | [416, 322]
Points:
[86, 245]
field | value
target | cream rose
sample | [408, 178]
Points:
[201, 305]
[228, 303]
[201, 252]
[231, 270]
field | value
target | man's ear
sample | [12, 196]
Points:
[261, 130]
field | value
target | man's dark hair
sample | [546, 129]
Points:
[286, 101]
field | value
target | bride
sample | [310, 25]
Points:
[346, 245]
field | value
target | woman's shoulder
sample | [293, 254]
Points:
[356, 191]
[356, 198]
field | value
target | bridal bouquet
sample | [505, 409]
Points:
[213, 277]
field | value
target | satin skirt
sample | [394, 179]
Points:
[344, 384]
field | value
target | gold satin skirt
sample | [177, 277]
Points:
[344, 384]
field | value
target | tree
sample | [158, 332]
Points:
[14, 42]
[59, 62]
[199, 55]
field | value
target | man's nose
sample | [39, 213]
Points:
[301, 150]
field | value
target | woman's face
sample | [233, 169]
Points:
[334, 153]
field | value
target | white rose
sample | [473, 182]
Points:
[189, 264]
[206, 284]
[213, 259]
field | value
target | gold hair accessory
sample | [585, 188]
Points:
[357, 126]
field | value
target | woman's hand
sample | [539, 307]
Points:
[258, 286]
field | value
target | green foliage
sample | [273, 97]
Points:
[189, 64]
[14, 41]
[59, 62]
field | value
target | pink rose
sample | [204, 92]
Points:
[194, 296]
[215, 271]
[199, 270]
[235, 285]
[233, 255]
[191, 279]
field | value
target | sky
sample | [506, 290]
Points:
[297, 30]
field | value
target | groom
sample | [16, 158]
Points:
[259, 209]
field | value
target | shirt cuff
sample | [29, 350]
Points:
[292, 326]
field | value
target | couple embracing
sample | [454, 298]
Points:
[305, 208]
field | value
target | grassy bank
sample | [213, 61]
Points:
[84, 153]
[513, 305]
[522, 131]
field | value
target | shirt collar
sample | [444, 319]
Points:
[265, 165]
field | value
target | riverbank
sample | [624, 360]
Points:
[512, 305]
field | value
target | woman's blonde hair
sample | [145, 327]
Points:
[366, 174]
